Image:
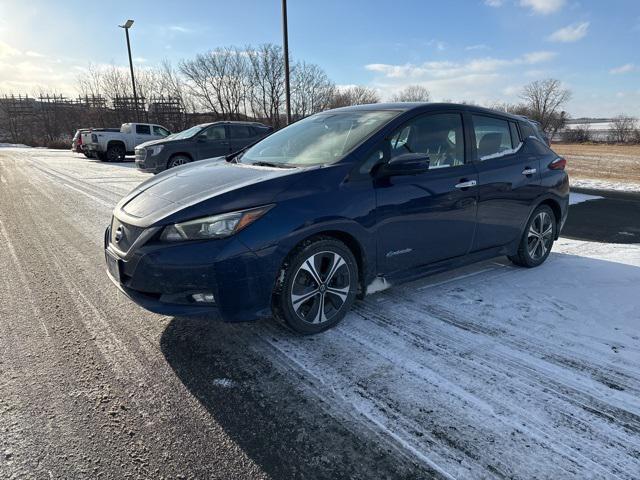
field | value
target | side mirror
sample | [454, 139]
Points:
[201, 138]
[405, 164]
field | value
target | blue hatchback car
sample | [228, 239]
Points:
[335, 206]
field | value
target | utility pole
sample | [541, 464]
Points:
[285, 44]
[127, 25]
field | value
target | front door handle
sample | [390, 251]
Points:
[466, 184]
[529, 171]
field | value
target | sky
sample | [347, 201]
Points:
[462, 50]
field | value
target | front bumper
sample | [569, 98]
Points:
[147, 163]
[163, 277]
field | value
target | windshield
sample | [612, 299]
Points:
[319, 139]
[188, 133]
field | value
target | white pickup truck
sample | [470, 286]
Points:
[112, 146]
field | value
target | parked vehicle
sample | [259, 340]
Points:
[83, 137]
[196, 143]
[76, 143]
[112, 146]
[337, 205]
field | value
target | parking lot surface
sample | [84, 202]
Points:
[490, 371]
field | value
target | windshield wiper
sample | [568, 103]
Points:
[271, 164]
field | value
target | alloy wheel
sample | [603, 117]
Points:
[540, 236]
[176, 162]
[320, 287]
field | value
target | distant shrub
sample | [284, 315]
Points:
[581, 134]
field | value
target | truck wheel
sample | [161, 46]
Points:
[178, 160]
[115, 153]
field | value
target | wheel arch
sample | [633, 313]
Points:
[557, 211]
[351, 242]
[116, 143]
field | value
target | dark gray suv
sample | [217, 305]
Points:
[207, 140]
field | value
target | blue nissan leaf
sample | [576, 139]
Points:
[298, 225]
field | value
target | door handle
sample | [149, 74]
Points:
[466, 184]
[529, 171]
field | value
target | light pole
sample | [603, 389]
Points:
[285, 45]
[127, 25]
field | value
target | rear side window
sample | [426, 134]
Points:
[493, 137]
[143, 129]
[240, 131]
[515, 137]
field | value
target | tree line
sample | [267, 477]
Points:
[237, 83]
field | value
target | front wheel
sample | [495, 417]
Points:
[537, 239]
[317, 287]
[178, 160]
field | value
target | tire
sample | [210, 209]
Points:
[115, 153]
[86, 154]
[100, 156]
[294, 301]
[537, 238]
[178, 160]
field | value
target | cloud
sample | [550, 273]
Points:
[494, 3]
[626, 68]
[477, 79]
[479, 46]
[179, 29]
[570, 33]
[543, 7]
[7, 50]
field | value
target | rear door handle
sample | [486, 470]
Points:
[529, 171]
[466, 184]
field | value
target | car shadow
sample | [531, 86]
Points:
[265, 412]
[280, 413]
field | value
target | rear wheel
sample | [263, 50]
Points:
[178, 160]
[537, 239]
[115, 153]
[317, 287]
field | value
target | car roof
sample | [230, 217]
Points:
[423, 107]
[232, 122]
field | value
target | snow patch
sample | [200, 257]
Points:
[224, 383]
[13, 145]
[597, 184]
[575, 198]
[378, 285]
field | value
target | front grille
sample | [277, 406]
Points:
[127, 234]
[141, 154]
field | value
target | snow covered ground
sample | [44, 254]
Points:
[494, 370]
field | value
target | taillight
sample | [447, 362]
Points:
[558, 164]
[79, 142]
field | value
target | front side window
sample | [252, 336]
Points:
[158, 130]
[143, 129]
[493, 137]
[320, 139]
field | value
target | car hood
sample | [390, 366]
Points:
[159, 141]
[209, 186]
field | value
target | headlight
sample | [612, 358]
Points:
[216, 226]
[155, 150]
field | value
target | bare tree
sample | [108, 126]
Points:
[267, 82]
[412, 93]
[218, 79]
[311, 90]
[543, 100]
[356, 95]
[623, 129]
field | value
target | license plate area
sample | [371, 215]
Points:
[113, 266]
